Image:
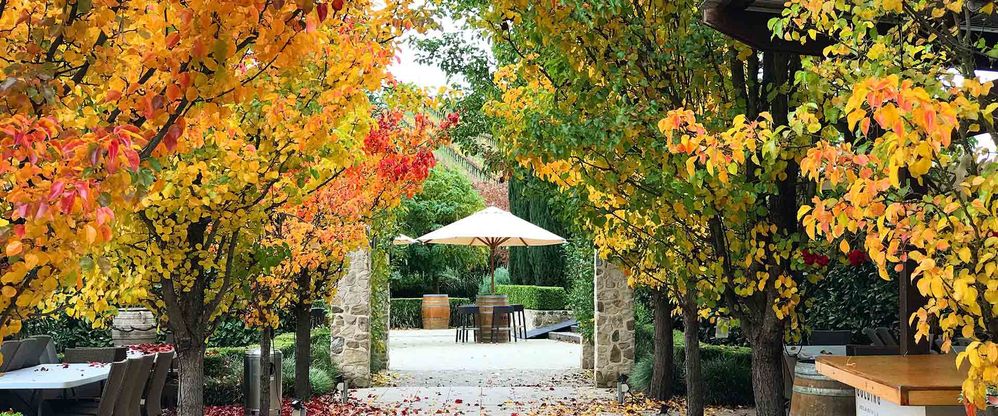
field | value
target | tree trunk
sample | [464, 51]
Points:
[191, 364]
[767, 376]
[662, 367]
[265, 364]
[303, 350]
[694, 375]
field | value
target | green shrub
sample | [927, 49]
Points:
[223, 375]
[640, 377]
[223, 367]
[579, 255]
[232, 332]
[729, 381]
[501, 277]
[545, 298]
[407, 313]
[850, 297]
[68, 332]
[11, 413]
[322, 381]
[321, 361]
[727, 373]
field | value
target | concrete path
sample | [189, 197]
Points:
[433, 350]
[429, 373]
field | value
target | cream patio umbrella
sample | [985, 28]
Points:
[492, 228]
[403, 240]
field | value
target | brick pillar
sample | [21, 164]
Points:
[613, 337]
[350, 330]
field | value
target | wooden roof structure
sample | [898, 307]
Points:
[746, 21]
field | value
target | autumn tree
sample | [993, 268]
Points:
[900, 165]
[319, 232]
[583, 105]
[300, 123]
[89, 90]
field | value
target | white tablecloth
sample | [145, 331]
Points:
[53, 376]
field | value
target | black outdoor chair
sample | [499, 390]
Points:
[519, 322]
[466, 320]
[502, 314]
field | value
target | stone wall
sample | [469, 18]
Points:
[537, 318]
[350, 330]
[587, 354]
[613, 335]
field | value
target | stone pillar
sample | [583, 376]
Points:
[613, 334]
[350, 330]
[587, 354]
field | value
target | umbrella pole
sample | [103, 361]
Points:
[492, 266]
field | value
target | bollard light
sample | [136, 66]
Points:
[622, 387]
[343, 389]
[298, 408]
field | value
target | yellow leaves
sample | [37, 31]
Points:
[844, 246]
[691, 165]
[964, 254]
[804, 209]
[876, 51]
[90, 233]
[854, 117]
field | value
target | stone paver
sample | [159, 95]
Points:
[431, 373]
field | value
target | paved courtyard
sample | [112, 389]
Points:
[430, 374]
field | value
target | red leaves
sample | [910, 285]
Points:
[814, 259]
[172, 40]
[337, 5]
[322, 10]
[146, 349]
[322, 405]
[857, 257]
[172, 136]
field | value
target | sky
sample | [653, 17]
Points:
[406, 69]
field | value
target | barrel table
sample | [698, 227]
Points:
[436, 312]
[900, 385]
[133, 326]
[817, 395]
[485, 304]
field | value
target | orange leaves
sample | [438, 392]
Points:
[13, 248]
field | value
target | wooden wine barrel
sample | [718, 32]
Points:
[436, 312]
[133, 326]
[817, 395]
[485, 304]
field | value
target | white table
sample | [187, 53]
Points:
[812, 351]
[43, 377]
[53, 376]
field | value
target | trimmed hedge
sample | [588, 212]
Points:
[223, 368]
[407, 313]
[545, 298]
